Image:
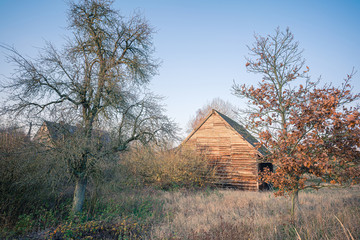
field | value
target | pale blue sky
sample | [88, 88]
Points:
[202, 43]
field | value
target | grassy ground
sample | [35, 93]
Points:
[229, 214]
[203, 214]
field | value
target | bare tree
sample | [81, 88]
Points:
[279, 60]
[143, 120]
[97, 76]
[218, 104]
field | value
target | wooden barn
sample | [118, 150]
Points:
[232, 148]
[51, 132]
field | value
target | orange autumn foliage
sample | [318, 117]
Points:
[313, 132]
[320, 137]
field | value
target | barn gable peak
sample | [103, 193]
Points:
[241, 130]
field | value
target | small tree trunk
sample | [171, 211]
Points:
[294, 203]
[79, 194]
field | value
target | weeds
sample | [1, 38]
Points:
[98, 230]
[207, 214]
[127, 215]
[35, 203]
[258, 215]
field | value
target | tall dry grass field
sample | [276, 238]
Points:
[231, 214]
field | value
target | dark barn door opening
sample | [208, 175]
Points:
[262, 166]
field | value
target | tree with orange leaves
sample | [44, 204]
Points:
[313, 132]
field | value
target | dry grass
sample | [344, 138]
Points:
[230, 214]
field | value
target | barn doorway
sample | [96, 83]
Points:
[263, 186]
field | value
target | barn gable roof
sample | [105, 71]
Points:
[234, 125]
[57, 131]
[244, 133]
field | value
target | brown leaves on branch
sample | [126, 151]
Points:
[322, 141]
[312, 132]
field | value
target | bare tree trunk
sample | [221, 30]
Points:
[294, 203]
[79, 194]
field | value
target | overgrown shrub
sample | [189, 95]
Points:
[36, 191]
[169, 169]
[28, 175]
[34, 185]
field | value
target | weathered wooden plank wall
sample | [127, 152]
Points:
[234, 157]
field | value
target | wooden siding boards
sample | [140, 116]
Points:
[231, 147]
